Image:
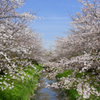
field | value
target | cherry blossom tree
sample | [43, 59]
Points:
[19, 44]
[14, 34]
[84, 32]
[88, 20]
[79, 52]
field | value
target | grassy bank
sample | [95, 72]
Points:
[70, 84]
[20, 87]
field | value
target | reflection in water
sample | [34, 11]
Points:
[47, 93]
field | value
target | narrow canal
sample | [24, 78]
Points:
[48, 93]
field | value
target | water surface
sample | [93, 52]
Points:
[51, 93]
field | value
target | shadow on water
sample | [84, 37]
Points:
[51, 93]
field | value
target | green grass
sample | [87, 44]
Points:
[22, 90]
[64, 74]
[71, 94]
[38, 67]
[78, 75]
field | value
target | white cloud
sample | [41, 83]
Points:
[56, 18]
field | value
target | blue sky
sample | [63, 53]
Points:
[54, 13]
